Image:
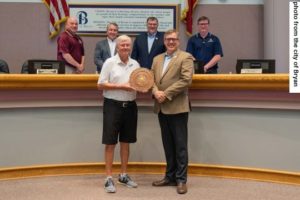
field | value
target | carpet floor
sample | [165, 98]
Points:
[90, 187]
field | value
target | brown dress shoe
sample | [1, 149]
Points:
[181, 188]
[164, 182]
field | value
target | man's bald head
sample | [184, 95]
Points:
[72, 24]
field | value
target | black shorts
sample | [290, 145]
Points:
[119, 121]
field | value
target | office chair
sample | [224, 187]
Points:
[24, 69]
[3, 67]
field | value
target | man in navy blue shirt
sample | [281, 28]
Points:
[205, 47]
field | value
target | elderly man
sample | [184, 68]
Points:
[173, 71]
[106, 48]
[119, 110]
[70, 48]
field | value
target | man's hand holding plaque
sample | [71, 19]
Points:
[141, 79]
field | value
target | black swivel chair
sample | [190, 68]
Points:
[24, 69]
[3, 67]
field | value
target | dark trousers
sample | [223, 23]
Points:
[212, 71]
[174, 137]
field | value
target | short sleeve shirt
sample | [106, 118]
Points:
[72, 44]
[117, 72]
[204, 49]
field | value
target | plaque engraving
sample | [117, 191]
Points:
[141, 79]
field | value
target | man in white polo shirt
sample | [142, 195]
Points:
[119, 110]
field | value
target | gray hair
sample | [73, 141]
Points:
[112, 23]
[123, 38]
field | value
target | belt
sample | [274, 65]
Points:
[123, 104]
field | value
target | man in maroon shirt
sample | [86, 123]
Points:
[70, 48]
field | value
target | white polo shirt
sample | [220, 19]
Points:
[115, 71]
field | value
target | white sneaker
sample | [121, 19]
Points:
[109, 185]
[126, 180]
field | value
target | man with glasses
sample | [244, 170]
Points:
[147, 45]
[173, 72]
[205, 47]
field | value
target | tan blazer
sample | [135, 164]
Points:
[174, 82]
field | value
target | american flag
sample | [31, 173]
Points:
[187, 8]
[59, 11]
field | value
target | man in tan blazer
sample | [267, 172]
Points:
[173, 71]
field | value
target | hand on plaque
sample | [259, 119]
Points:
[128, 87]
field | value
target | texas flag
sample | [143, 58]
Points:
[187, 8]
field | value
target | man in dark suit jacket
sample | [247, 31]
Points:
[147, 45]
[173, 72]
[106, 48]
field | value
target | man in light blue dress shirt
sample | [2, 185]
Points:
[149, 44]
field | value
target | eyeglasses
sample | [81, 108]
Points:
[203, 24]
[171, 39]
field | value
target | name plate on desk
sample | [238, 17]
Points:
[47, 71]
[251, 71]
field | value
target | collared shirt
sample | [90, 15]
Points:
[204, 49]
[72, 44]
[112, 46]
[166, 62]
[115, 71]
[150, 38]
